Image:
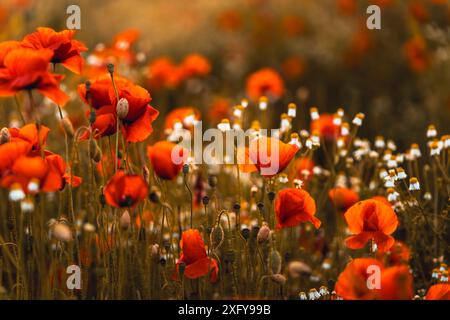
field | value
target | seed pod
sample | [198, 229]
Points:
[67, 127]
[62, 232]
[245, 233]
[275, 262]
[278, 278]
[110, 67]
[125, 220]
[205, 200]
[263, 233]
[122, 108]
[5, 136]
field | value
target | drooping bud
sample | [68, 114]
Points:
[278, 278]
[122, 108]
[275, 261]
[297, 268]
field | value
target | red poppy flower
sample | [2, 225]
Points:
[398, 254]
[325, 127]
[382, 199]
[397, 283]
[440, 291]
[61, 166]
[27, 69]
[269, 156]
[125, 190]
[265, 82]
[186, 115]
[352, 282]
[65, 49]
[220, 109]
[5, 48]
[160, 155]
[294, 206]
[125, 39]
[11, 151]
[195, 65]
[34, 174]
[194, 256]
[371, 219]
[137, 125]
[31, 134]
[343, 198]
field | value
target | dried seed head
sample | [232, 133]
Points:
[125, 220]
[263, 233]
[278, 278]
[110, 67]
[61, 232]
[122, 108]
[5, 136]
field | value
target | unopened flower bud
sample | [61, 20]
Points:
[62, 232]
[5, 136]
[263, 233]
[278, 278]
[125, 220]
[122, 108]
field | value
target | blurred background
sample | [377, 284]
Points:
[398, 76]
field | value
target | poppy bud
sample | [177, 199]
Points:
[110, 67]
[155, 195]
[278, 278]
[67, 127]
[275, 262]
[5, 136]
[62, 232]
[122, 108]
[212, 181]
[154, 250]
[263, 233]
[125, 220]
[245, 233]
[92, 117]
[297, 268]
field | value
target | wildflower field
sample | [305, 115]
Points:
[254, 149]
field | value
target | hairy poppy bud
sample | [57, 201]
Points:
[154, 250]
[263, 233]
[122, 108]
[278, 278]
[5, 136]
[62, 232]
[67, 127]
[125, 220]
[275, 262]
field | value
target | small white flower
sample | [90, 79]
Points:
[302, 296]
[414, 184]
[16, 193]
[313, 294]
[314, 113]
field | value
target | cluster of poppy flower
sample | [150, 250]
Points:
[117, 106]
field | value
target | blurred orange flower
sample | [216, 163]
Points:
[195, 65]
[371, 219]
[66, 50]
[325, 127]
[186, 115]
[398, 254]
[294, 206]
[194, 256]
[265, 82]
[125, 190]
[163, 73]
[416, 53]
[343, 198]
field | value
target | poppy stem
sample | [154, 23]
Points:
[19, 110]
[111, 73]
